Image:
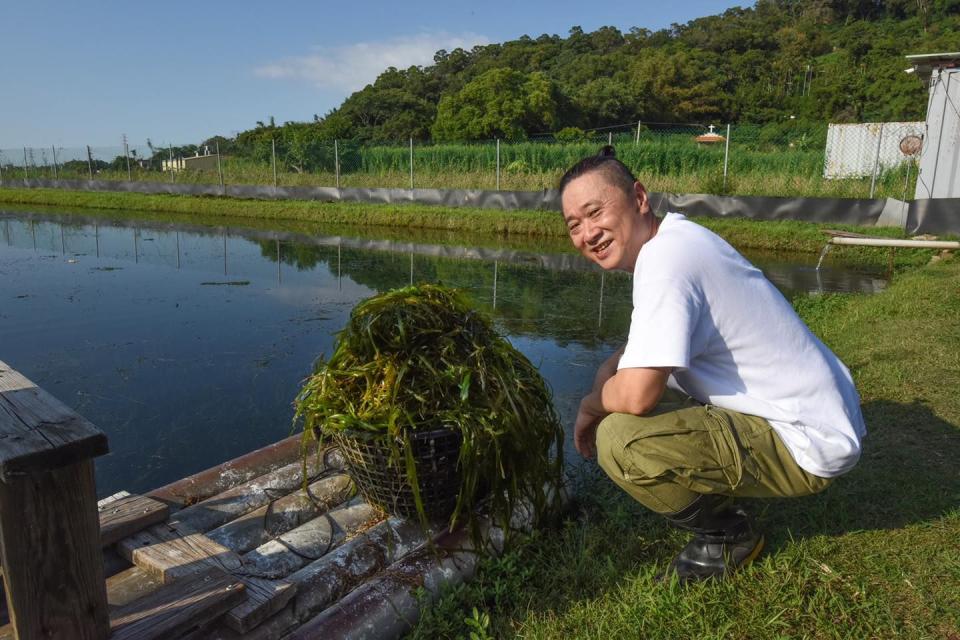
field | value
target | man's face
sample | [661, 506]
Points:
[605, 224]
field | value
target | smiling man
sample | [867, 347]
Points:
[765, 409]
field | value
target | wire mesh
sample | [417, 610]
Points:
[383, 480]
[786, 158]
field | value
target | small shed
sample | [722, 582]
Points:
[939, 175]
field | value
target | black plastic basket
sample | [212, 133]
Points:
[383, 482]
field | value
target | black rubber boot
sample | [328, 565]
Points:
[724, 539]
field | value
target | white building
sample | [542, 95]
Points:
[939, 175]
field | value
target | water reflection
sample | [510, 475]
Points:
[187, 344]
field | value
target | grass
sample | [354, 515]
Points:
[527, 223]
[669, 163]
[874, 556]
[441, 225]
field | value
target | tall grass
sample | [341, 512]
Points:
[668, 163]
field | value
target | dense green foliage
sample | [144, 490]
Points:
[818, 60]
[421, 359]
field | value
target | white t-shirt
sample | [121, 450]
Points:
[735, 342]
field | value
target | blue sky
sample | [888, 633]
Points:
[177, 72]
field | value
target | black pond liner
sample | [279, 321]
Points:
[383, 483]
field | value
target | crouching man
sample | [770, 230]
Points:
[768, 409]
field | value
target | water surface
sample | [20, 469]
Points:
[186, 344]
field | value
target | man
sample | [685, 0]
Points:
[771, 410]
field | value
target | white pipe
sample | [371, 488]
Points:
[894, 242]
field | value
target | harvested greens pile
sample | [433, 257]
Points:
[420, 358]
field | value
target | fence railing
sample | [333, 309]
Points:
[856, 161]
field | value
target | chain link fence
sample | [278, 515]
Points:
[789, 158]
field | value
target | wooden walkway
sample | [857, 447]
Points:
[237, 551]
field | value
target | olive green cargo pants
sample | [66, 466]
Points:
[666, 458]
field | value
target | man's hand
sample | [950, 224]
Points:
[635, 391]
[585, 427]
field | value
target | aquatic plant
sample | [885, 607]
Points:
[421, 358]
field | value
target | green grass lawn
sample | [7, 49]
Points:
[877, 555]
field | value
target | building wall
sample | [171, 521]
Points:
[940, 158]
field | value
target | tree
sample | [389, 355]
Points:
[501, 103]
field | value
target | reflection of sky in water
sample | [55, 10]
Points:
[187, 346]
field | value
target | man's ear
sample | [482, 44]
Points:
[643, 199]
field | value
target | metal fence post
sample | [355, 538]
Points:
[411, 163]
[126, 154]
[638, 133]
[876, 162]
[26, 176]
[90, 162]
[56, 173]
[336, 162]
[273, 156]
[610, 138]
[220, 168]
[498, 164]
[726, 158]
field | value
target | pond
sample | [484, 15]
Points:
[186, 344]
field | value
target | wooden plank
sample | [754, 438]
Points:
[126, 515]
[129, 585]
[52, 560]
[323, 581]
[176, 609]
[113, 562]
[388, 603]
[276, 626]
[310, 541]
[235, 502]
[37, 431]
[219, 478]
[277, 558]
[170, 552]
[260, 525]
[264, 598]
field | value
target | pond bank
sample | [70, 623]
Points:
[544, 226]
[873, 556]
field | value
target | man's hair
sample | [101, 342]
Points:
[606, 161]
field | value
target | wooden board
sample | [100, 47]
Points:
[38, 432]
[53, 563]
[129, 585]
[311, 540]
[221, 477]
[125, 516]
[252, 529]
[235, 502]
[264, 598]
[323, 581]
[171, 553]
[177, 608]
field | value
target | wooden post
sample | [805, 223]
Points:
[49, 524]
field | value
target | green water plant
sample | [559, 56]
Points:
[421, 358]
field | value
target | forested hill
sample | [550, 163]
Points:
[818, 60]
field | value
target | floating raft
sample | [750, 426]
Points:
[239, 550]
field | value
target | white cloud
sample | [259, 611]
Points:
[351, 67]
